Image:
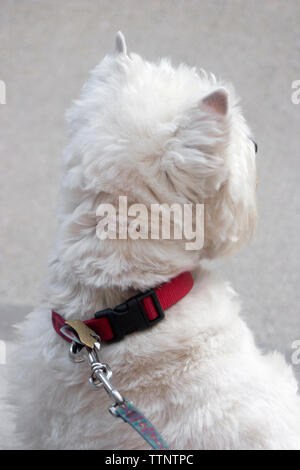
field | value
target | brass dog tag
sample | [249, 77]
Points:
[86, 335]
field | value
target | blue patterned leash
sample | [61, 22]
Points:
[135, 418]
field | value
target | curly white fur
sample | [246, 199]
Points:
[156, 134]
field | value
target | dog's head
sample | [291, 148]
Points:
[156, 134]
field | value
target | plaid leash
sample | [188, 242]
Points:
[135, 418]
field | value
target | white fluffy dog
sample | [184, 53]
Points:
[156, 134]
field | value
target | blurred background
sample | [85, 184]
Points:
[46, 51]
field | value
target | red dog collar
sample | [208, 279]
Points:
[138, 313]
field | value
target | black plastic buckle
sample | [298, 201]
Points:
[131, 315]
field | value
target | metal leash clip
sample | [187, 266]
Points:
[86, 345]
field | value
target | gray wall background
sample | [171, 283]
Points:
[46, 51]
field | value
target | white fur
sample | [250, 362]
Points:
[149, 131]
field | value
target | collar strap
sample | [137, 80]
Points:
[138, 313]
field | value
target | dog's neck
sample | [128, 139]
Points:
[86, 276]
[76, 300]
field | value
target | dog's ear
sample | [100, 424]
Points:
[195, 163]
[121, 47]
[217, 102]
